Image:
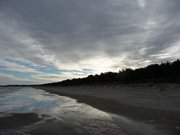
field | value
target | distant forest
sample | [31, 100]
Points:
[168, 72]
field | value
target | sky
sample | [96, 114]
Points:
[51, 40]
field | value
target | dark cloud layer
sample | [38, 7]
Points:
[81, 37]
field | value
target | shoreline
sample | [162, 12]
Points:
[116, 107]
[153, 104]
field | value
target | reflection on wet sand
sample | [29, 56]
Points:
[36, 112]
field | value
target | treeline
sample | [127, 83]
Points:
[155, 73]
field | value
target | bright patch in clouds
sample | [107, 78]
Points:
[44, 41]
[171, 52]
[142, 3]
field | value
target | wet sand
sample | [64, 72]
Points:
[119, 116]
[167, 119]
[29, 111]
[53, 127]
[17, 120]
[32, 124]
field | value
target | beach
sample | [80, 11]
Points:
[33, 111]
[151, 103]
[90, 110]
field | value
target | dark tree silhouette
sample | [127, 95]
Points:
[155, 73]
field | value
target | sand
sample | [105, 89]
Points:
[151, 103]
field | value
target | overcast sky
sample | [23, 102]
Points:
[50, 40]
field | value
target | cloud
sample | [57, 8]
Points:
[142, 3]
[6, 79]
[51, 40]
